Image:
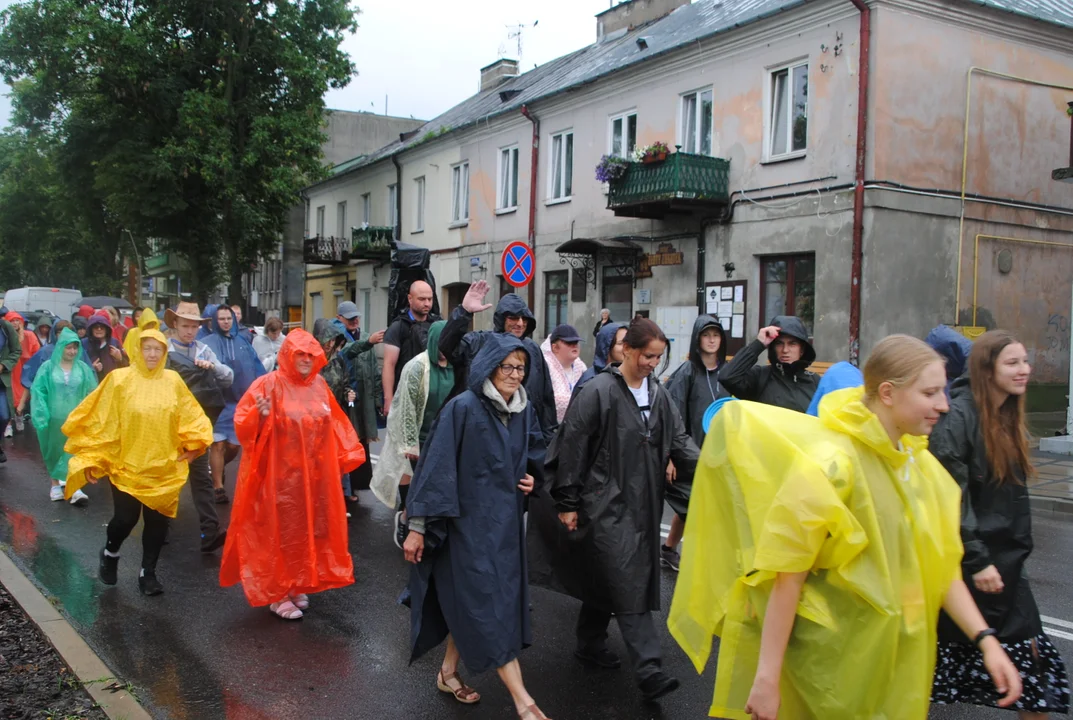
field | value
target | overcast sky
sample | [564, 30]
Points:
[425, 55]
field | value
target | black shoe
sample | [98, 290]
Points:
[600, 658]
[221, 538]
[669, 557]
[108, 571]
[149, 585]
[220, 495]
[655, 687]
[3, 457]
[402, 529]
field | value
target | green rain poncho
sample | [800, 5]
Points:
[53, 396]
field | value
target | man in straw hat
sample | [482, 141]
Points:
[206, 377]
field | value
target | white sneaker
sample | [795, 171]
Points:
[79, 498]
[55, 493]
[9, 431]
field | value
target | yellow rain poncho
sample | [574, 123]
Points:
[877, 526]
[132, 429]
[132, 342]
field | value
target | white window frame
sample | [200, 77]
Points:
[769, 129]
[507, 167]
[625, 151]
[460, 194]
[367, 208]
[320, 220]
[340, 218]
[697, 112]
[560, 176]
[419, 204]
[392, 205]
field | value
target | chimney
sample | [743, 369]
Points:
[498, 72]
[633, 13]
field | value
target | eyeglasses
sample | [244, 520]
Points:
[508, 370]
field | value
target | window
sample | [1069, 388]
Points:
[320, 221]
[392, 205]
[507, 193]
[623, 135]
[788, 287]
[579, 285]
[696, 134]
[419, 205]
[505, 288]
[340, 217]
[460, 193]
[367, 209]
[555, 303]
[787, 111]
[318, 306]
[561, 179]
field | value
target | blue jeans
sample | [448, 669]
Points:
[346, 485]
[4, 414]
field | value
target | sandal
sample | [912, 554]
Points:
[464, 694]
[532, 713]
[301, 601]
[286, 610]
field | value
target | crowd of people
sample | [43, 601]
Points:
[858, 540]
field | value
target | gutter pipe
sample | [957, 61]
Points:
[534, 165]
[864, 70]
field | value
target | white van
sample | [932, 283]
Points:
[61, 302]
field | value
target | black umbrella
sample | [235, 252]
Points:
[98, 301]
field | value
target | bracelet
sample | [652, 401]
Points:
[985, 633]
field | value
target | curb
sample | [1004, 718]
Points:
[85, 663]
[1056, 508]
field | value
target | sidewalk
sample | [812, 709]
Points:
[1052, 487]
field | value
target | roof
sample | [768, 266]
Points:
[687, 24]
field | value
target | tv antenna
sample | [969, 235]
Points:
[514, 32]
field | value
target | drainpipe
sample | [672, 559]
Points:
[533, 199]
[398, 197]
[863, 69]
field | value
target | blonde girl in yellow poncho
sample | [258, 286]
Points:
[140, 428]
[820, 551]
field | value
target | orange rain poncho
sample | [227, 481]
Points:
[133, 428]
[877, 526]
[288, 529]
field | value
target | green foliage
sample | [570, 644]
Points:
[193, 122]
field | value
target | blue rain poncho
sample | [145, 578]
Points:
[53, 395]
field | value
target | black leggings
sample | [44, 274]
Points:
[127, 510]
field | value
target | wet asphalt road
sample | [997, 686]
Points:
[199, 652]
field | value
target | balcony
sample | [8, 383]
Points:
[372, 243]
[682, 184]
[326, 251]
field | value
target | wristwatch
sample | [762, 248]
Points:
[987, 632]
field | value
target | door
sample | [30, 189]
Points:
[618, 295]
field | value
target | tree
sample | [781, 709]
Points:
[194, 122]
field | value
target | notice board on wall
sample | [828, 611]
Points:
[725, 301]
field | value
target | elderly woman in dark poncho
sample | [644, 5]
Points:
[465, 499]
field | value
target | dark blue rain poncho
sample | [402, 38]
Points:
[472, 580]
[234, 350]
[604, 340]
[209, 313]
[955, 348]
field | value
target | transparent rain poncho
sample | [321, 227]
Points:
[876, 525]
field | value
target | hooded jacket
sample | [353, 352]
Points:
[465, 487]
[609, 466]
[955, 349]
[100, 353]
[875, 523]
[460, 347]
[132, 429]
[996, 521]
[692, 386]
[839, 376]
[53, 396]
[789, 386]
[235, 351]
[288, 529]
[602, 356]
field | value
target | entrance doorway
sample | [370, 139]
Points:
[618, 294]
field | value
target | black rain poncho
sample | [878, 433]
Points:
[996, 522]
[472, 580]
[460, 347]
[610, 467]
[789, 386]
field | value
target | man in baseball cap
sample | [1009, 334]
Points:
[348, 319]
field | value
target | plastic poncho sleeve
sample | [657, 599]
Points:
[194, 428]
[434, 488]
[93, 433]
[741, 376]
[40, 414]
[537, 452]
[679, 386]
[952, 445]
[575, 458]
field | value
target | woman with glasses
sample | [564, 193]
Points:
[467, 534]
[610, 457]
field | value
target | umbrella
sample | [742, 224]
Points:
[98, 301]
